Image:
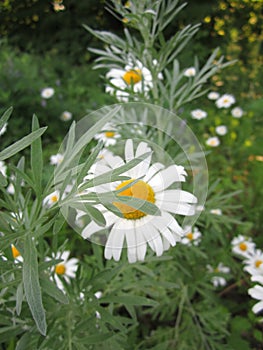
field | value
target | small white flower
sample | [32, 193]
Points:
[213, 95]
[257, 293]
[108, 135]
[56, 159]
[66, 116]
[51, 199]
[237, 112]
[47, 93]
[254, 263]
[213, 141]
[198, 114]
[221, 130]
[136, 227]
[66, 269]
[191, 237]
[2, 168]
[218, 280]
[3, 129]
[243, 246]
[225, 101]
[216, 211]
[190, 72]
[134, 77]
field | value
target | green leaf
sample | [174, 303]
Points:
[94, 339]
[21, 144]
[95, 215]
[32, 286]
[36, 157]
[128, 300]
[5, 117]
[3, 180]
[19, 298]
[51, 289]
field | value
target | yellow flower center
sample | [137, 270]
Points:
[258, 263]
[133, 76]
[15, 252]
[243, 246]
[190, 236]
[109, 134]
[139, 190]
[54, 199]
[60, 269]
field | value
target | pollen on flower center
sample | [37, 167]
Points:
[60, 269]
[243, 246]
[15, 252]
[258, 263]
[109, 134]
[54, 199]
[133, 76]
[139, 190]
[190, 236]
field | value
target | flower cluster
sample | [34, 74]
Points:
[245, 248]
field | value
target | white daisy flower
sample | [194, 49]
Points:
[198, 114]
[51, 199]
[66, 269]
[47, 93]
[190, 72]
[256, 292]
[218, 280]
[136, 227]
[254, 263]
[237, 112]
[221, 130]
[66, 116]
[56, 159]
[225, 101]
[216, 211]
[213, 95]
[213, 141]
[3, 168]
[191, 236]
[243, 246]
[3, 129]
[16, 254]
[109, 136]
[133, 77]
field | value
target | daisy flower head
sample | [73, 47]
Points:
[16, 254]
[56, 159]
[191, 236]
[256, 292]
[243, 246]
[198, 114]
[221, 130]
[3, 129]
[218, 281]
[213, 141]
[254, 263]
[237, 112]
[213, 95]
[109, 135]
[66, 116]
[225, 101]
[216, 211]
[149, 182]
[47, 93]
[190, 72]
[51, 199]
[134, 77]
[66, 269]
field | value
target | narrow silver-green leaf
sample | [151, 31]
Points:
[36, 157]
[52, 290]
[5, 117]
[19, 298]
[21, 144]
[32, 286]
